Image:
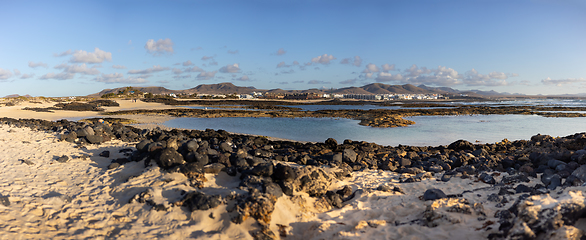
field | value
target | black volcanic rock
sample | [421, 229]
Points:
[433, 194]
[169, 157]
[461, 145]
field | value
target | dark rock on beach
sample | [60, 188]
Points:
[433, 194]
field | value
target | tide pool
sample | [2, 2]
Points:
[428, 130]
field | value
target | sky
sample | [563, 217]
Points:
[75, 48]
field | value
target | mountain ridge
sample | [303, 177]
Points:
[373, 88]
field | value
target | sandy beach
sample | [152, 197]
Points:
[82, 198]
[55, 189]
[144, 121]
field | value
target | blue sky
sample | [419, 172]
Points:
[62, 48]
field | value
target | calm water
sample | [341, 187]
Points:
[428, 130]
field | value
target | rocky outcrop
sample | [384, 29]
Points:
[269, 170]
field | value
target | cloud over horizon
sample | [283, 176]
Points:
[98, 56]
[357, 61]
[230, 68]
[280, 52]
[561, 82]
[118, 78]
[159, 47]
[206, 75]
[155, 68]
[5, 74]
[39, 64]
[323, 59]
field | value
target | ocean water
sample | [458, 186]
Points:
[428, 130]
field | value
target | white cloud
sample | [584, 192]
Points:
[387, 77]
[182, 77]
[83, 69]
[187, 63]
[561, 82]
[68, 52]
[233, 52]
[5, 74]
[287, 72]
[415, 71]
[281, 51]
[498, 75]
[473, 78]
[118, 78]
[177, 71]
[356, 62]
[282, 64]
[323, 59]
[35, 65]
[295, 63]
[207, 58]
[97, 56]
[243, 78]
[440, 76]
[194, 69]
[159, 47]
[230, 68]
[119, 66]
[155, 68]
[386, 67]
[25, 76]
[349, 81]
[317, 82]
[206, 75]
[16, 72]
[59, 76]
[371, 68]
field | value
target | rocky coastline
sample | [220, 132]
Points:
[513, 172]
[381, 118]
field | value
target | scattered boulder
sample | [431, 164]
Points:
[62, 159]
[199, 201]
[169, 157]
[433, 194]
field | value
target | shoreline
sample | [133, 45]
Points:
[281, 190]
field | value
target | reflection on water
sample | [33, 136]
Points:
[428, 130]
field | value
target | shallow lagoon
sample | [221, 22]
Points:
[428, 130]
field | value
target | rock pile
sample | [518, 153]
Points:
[271, 169]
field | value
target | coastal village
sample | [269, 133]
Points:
[131, 92]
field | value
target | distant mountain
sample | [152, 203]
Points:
[439, 89]
[153, 90]
[16, 95]
[351, 90]
[373, 88]
[379, 88]
[220, 88]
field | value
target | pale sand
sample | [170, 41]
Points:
[83, 199]
[145, 121]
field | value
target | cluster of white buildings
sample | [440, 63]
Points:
[364, 96]
[255, 95]
[394, 96]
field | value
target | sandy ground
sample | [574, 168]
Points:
[82, 198]
[146, 121]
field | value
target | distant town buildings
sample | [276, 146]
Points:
[129, 92]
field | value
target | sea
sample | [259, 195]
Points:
[428, 130]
